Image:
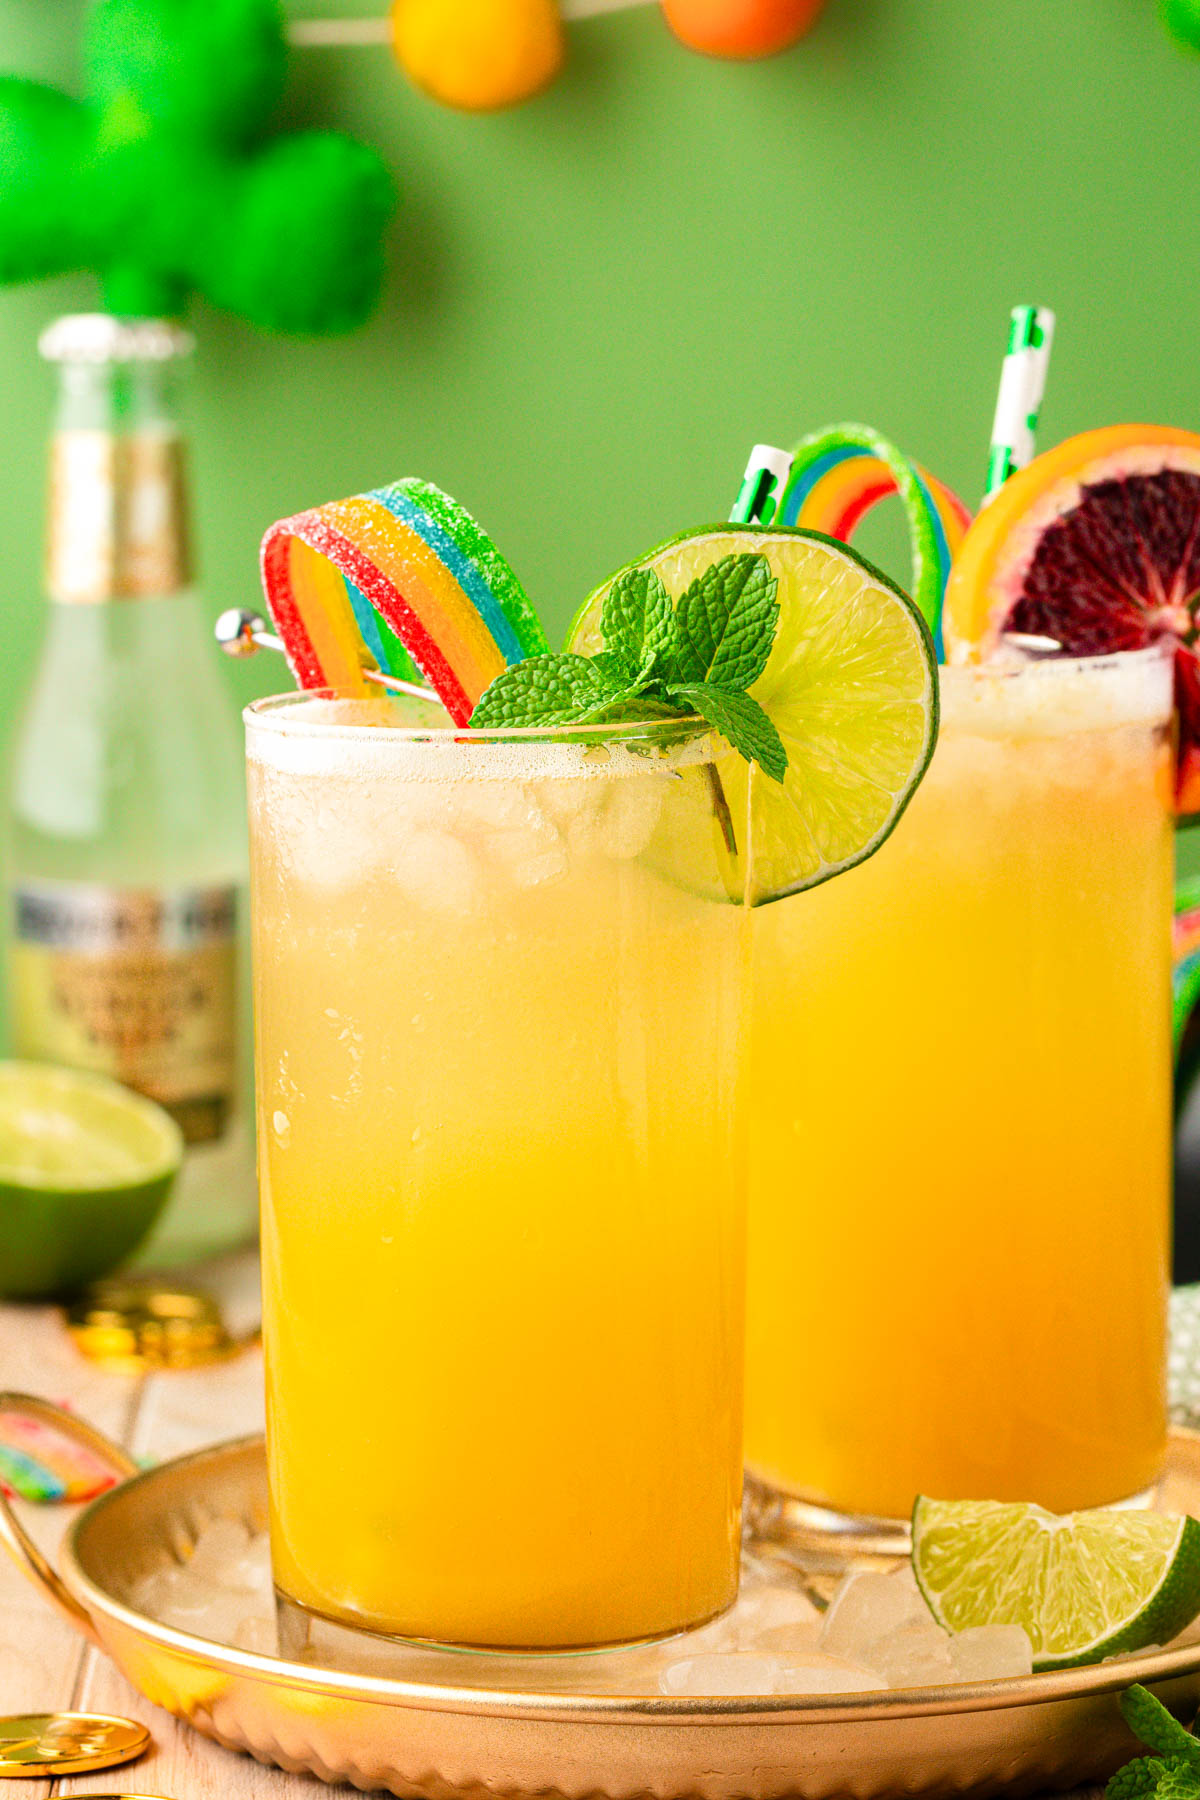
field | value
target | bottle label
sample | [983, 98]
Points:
[136, 983]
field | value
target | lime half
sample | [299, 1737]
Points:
[1084, 1585]
[851, 685]
[85, 1168]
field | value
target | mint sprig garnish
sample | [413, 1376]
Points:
[727, 620]
[638, 624]
[739, 719]
[547, 690]
[661, 662]
[1173, 1772]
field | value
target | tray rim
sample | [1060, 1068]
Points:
[1091, 1680]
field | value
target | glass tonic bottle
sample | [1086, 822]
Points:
[126, 829]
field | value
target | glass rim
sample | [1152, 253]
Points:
[1161, 650]
[270, 713]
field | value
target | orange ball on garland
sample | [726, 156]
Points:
[740, 28]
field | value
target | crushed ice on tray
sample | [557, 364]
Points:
[877, 1633]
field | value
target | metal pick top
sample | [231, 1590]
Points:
[46, 1745]
[242, 633]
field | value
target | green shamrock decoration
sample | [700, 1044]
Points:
[1182, 20]
[163, 177]
[1173, 1772]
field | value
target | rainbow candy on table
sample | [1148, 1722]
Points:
[840, 473]
[399, 579]
[40, 1464]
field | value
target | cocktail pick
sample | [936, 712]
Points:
[241, 632]
[163, 179]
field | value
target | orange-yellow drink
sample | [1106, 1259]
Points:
[502, 1189]
[960, 1094]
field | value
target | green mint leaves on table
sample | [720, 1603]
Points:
[1173, 1772]
[661, 662]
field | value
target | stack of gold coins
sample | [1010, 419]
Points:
[47, 1745]
[132, 1326]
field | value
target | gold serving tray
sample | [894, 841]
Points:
[435, 1742]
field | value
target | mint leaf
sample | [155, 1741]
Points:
[741, 720]
[638, 622]
[614, 669]
[1138, 1780]
[546, 690]
[1177, 1780]
[726, 621]
[631, 707]
[1154, 1726]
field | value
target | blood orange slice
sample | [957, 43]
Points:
[1095, 545]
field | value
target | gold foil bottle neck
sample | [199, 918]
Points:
[118, 519]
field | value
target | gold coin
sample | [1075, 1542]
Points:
[136, 1325]
[52, 1744]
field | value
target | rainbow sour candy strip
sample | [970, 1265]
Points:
[39, 1464]
[840, 473]
[402, 572]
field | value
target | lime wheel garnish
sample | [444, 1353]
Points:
[1096, 546]
[850, 685]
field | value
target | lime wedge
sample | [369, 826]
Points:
[1084, 1585]
[85, 1168]
[851, 685]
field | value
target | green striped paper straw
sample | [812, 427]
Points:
[1022, 384]
[766, 475]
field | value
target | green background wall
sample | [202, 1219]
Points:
[600, 300]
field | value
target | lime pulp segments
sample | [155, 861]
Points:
[851, 685]
[1083, 1585]
[85, 1169]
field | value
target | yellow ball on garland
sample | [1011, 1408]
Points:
[478, 55]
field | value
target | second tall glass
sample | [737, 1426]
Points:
[960, 1119]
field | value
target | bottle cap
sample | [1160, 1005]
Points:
[102, 337]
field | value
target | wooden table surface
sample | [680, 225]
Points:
[45, 1666]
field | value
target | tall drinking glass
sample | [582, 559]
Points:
[502, 1177]
[961, 1113]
